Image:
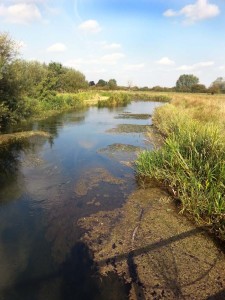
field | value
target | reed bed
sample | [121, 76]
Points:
[191, 162]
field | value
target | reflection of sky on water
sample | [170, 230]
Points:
[40, 208]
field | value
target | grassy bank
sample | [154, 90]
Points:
[53, 104]
[191, 163]
[114, 100]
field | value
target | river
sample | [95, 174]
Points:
[47, 185]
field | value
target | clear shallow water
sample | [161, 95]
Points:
[48, 186]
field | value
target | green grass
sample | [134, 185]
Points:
[114, 100]
[191, 164]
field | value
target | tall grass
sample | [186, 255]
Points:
[191, 163]
[114, 100]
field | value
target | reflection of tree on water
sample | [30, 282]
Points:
[11, 179]
[76, 278]
[54, 123]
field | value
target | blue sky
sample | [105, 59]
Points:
[143, 42]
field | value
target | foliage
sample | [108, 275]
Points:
[198, 88]
[190, 163]
[26, 86]
[112, 84]
[102, 83]
[218, 86]
[185, 82]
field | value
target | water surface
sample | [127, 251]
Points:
[47, 186]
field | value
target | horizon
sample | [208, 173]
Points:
[148, 43]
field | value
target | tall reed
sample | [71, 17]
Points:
[191, 164]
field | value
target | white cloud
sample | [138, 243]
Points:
[21, 13]
[111, 46]
[76, 63]
[170, 13]
[196, 66]
[221, 67]
[112, 58]
[133, 67]
[195, 12]
[57, 47]
[165, 61]
[90, 26]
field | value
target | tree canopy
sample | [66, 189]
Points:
[218, 86]
[185, 82]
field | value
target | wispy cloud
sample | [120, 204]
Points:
[193, 13]
[133, 67]
[196, 66]
[22, 13]
[165, 61]
[111, 46]
[90, 26]
[76, 63]
[112, 58]
[57, 47]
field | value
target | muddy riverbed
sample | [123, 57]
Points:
[76, 224]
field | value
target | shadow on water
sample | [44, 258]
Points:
[76, 278]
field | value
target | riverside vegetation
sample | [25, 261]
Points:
[191, 163]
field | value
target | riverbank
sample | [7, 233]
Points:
[160, 253]
[35, 110]
[190, 164]
[19, 136]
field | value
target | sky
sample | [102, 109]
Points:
[137, 42]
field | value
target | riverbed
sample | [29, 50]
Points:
[49, 183]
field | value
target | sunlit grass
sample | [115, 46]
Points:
[191, 163]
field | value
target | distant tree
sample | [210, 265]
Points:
[102, 83]
[218, 86]
[71, 80]
[185, 82]
[112, 84]
[198, 88]
[10, 89]
[91, 83]
[129, 84]
[8, 52]
[144, 88]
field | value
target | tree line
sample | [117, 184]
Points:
[24, 83]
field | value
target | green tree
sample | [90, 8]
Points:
[218, 86]
[112, 84]
[198, 88]
[185, 82]
[8, 52]
[10, 89]
[102, 83]
[72, 80]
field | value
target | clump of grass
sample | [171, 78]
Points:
[191, 163]
[114, 100]
[151, 97]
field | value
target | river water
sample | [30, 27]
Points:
[47, 185]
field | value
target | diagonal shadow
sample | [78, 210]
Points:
[129, 257]
[153, 246]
